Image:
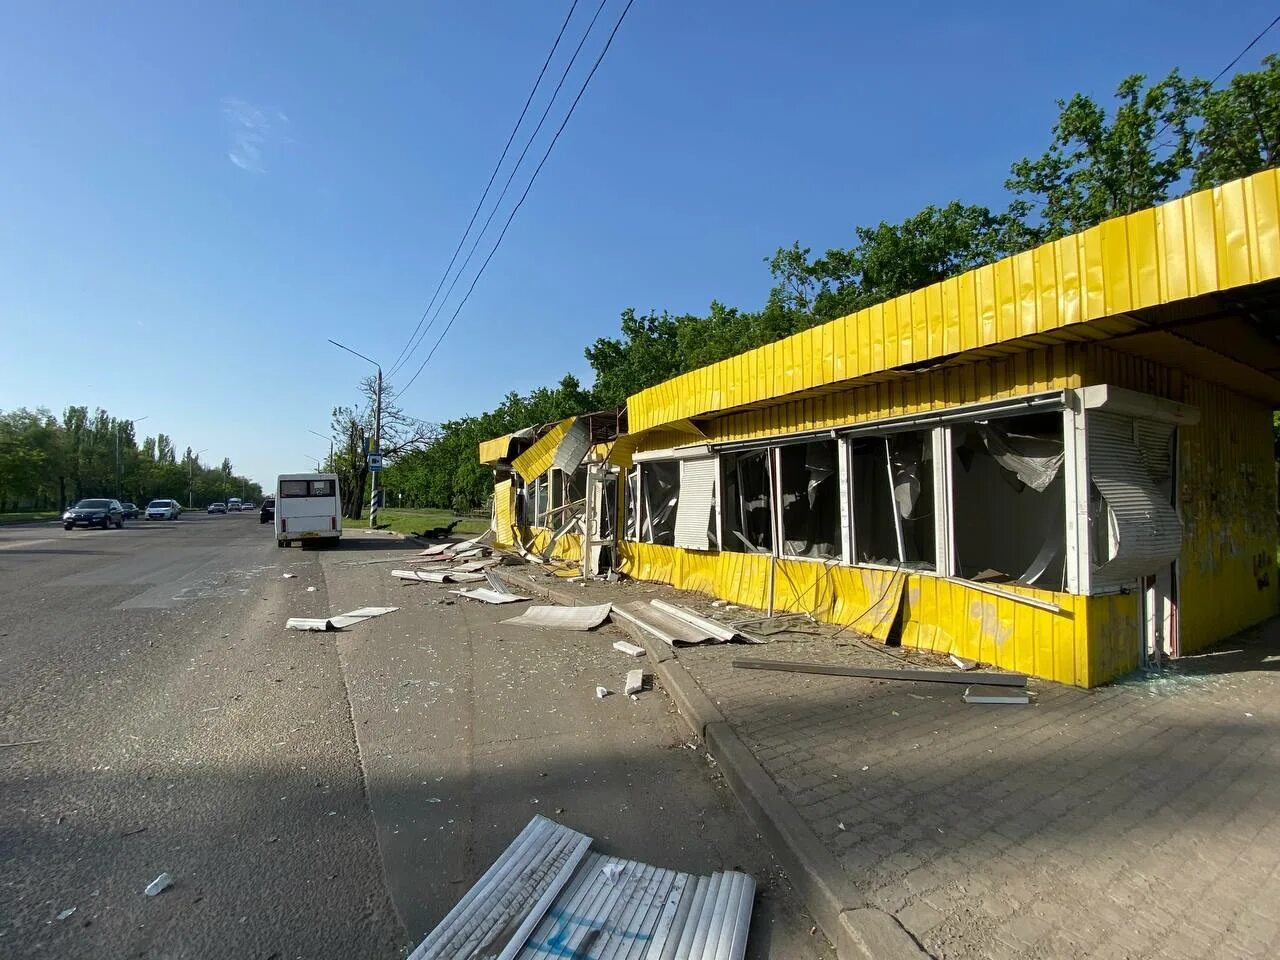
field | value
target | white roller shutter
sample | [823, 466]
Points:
[1155, 440]
[697, 500]
[1144, 527]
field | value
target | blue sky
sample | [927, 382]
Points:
[193, 197]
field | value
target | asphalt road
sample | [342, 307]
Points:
[312, 795]
[184, 732]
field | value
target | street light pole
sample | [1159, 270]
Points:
[191, 480]
[118, 424]
[323, 437]
[375, 500]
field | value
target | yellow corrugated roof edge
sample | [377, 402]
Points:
[495, 449]
[537, 459]
[1205, 242]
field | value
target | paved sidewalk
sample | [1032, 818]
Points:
[467, 727]
[1134, 821]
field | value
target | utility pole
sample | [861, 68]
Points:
[119, 493]
[375, 500]
[191, 480]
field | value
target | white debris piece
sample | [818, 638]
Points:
[964, 663]
[65, 914]
[611, 871]
[438, 576]
[308, 623]
[289, 576]
[602, 692]
[159, 885]
[489, 596]
[635, 681]
[630, 649]
[311, 589]
[564, 618]
[356, 616]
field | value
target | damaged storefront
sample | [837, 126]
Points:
[1060, 464]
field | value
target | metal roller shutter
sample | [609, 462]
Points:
[1145, 527]
[697, 499]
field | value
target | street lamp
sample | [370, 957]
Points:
[119, 423]
[191, 481]
[376, 500]
[323, 437]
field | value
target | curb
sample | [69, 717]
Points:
[858, 931]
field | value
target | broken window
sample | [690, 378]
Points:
[576, 485]
[537, 494]
[809, 497]
[746, 502]
[631, 506]
[1009, 500]
[659, 492]
[891, 486]
[875, 536]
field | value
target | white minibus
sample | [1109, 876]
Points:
[307, 508]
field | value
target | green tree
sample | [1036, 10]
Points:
[1099, 166]
[1241, 130]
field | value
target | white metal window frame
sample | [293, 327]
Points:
[775, 498]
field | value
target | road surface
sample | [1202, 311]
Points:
[312, 795]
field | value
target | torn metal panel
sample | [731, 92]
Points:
[357, 616]
[496, 916]
[671, 630]
[496, 583]
[573, 447]
[489, 596]
[564, 618]
[473, 566]
[714, 628]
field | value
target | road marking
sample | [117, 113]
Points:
[24, 543]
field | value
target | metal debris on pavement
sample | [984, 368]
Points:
[490, 596]
[533, 903]
[356, 616]
[308, 623]
[438, 576]
[981, 693]
[630, 649]
[66, 914]
[882, 673]
[564, 618]
[159, 885]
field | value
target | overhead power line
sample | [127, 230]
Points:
[497, 204]
[488, 186]
[1248, 47]
[516, 209]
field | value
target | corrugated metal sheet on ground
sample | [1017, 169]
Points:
[615, 908]
[670, 629]
[564, 618]
[507, 902]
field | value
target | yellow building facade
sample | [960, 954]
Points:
[1061, 463]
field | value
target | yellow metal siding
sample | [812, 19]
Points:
[1227, 498]
[937, 614]
[536, 461]
[1050, 368]
[568, 547]
[1209, 241]
[491, 451]
[504, 512]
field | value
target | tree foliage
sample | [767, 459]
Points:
[47, 462]
[1241, 131]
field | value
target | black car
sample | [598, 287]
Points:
[130, 510]
[94, 513]
[268, 511]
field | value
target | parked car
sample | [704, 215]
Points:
[94, 513]
[268, 513]
[217, 508]
[130, 510]
[233, 505]
[163, 510]
[248, 506]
